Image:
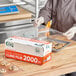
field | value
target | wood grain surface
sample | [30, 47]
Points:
[23, 14]
[62, 62]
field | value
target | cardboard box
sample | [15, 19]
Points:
[29, 50]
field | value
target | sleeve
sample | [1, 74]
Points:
[46, 11]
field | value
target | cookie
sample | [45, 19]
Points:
[2, 70]
[5, 63]
[13, 68]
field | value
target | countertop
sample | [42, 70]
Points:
[62, 62]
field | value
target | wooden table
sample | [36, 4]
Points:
[23, 14]
[62, 62]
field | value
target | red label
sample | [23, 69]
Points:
[26, 57]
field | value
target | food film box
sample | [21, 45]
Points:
[28, 50]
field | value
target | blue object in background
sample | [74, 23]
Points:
[14, 9]
[8, 10]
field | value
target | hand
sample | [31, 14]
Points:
[38, 21]
[70, 33]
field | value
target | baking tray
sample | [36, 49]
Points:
[59, 41]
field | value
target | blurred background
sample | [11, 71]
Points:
[20, 27]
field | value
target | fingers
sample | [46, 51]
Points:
[69, 34]
[73, 29]
[38, 21]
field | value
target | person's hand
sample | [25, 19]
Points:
[38, 21]
[70, 33]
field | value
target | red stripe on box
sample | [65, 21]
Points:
[26, 57]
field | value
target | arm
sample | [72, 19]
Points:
[46, 11]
